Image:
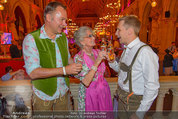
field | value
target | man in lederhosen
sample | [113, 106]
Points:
[138, 70]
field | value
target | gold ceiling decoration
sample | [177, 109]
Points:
[1, 7]
[113, 17]
[108, 20]
[114, 5]
[84, 0]
[153, 3]
[71, 28]
[1, 4]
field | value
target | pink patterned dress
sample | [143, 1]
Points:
[97, 96]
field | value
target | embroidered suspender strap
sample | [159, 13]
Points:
[128, 69]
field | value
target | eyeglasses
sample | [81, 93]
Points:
[90, 36]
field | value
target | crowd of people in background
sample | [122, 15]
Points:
[15, 50]
[170, 62]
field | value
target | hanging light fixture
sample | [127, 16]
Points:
[1, 4]
[5, 1]
[114, 5]
[153, 3]
[1, 7]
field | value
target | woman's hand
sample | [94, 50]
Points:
[89, 76]
[102, 55]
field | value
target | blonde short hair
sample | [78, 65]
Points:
[131, 21]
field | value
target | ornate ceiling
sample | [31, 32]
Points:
[86, 8]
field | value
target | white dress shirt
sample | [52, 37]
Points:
[145, 77]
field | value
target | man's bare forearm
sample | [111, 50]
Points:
[46, 73]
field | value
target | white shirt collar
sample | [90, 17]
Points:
[133, 43]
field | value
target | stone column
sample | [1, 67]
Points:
[75, 103]
[113, 87]
[74, 91]
[143, 33]
[174, 114]
[160, 99]
[175, 99]
[154, 32]
[165, 34]
[160, 103]
[12, 28]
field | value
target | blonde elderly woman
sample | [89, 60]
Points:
[94, 91]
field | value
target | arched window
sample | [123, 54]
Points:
[125, 4]
[38, 22]
[20, 22]
[131, 1]
[36, 2]
[44, 3]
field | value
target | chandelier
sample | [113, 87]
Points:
[112, 18]
[71, 28]
[114, 5]
[153, 3]
[1, 4]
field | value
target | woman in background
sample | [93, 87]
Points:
[10, 74]
[168, 63]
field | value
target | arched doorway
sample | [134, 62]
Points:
[145, 31]
[176, 39]
[174, 15]
[20, 23]
[1, 21]
[38, 22]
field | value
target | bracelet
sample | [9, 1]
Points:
[64, 70]
[94, 68]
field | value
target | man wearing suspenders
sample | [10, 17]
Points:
[137, 69]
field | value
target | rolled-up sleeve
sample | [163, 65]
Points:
[6, 77]
[114, 66]
[30, 54]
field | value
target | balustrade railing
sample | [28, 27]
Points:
[23, 88]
